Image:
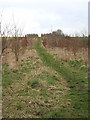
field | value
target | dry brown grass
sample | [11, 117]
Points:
[22, 104]
[63, 54]
[8, 57]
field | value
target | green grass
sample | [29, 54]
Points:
[38, 88]
[19, 106]
[9, 77]
[33, 83]
[76, 80]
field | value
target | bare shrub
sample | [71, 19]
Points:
[32, 39]
[68, 44]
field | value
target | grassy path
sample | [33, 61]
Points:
[43, 87]
[76, 82]
[34, 91]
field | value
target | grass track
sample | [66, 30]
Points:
[38, 89]
[76, 81]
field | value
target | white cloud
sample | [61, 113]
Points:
[39, 15]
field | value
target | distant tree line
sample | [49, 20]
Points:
[59, 39]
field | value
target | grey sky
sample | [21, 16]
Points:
[42, 16]
[89, 18]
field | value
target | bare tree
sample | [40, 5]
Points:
[18, 44]
[13, 33]
[1, 23]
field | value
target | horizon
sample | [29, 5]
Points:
[41, 17]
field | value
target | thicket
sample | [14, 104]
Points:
[68, 43]
[18, 44]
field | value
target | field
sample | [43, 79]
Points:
[43, 84]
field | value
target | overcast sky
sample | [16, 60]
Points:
[44, 16]
[89, 18]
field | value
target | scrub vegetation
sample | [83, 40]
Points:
[45, 86]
